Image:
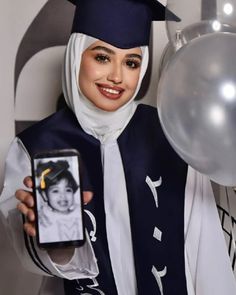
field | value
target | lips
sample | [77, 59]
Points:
[63, 203]
[110, 92]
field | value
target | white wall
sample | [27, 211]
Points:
[37, 90]
[15, 18]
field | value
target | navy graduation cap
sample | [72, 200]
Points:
[121, 23]
[50, 170]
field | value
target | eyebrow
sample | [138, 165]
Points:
[110, 51]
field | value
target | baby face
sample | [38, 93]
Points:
[60, 196]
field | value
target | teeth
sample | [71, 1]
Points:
[112, 91]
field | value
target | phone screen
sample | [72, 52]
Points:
[58, 199]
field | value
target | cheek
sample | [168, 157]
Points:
[69, 195]
[132, 80]
[51, 200]
[89, 71]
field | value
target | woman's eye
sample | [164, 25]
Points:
[133, 64]
[101, 58]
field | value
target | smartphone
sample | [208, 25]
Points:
[58, 198]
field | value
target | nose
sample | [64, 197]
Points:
[63, 195]
[115, 74]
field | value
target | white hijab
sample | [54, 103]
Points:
[106, 127]
[101, 124]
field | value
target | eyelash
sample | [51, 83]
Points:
[102, 58]
[67, 190]
[130, 63]
[133, 64]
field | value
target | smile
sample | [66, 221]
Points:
[63, 203]
[110, 92]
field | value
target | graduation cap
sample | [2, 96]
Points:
[121, 23]
[47, 172]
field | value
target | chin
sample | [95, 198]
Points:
[110, 110]
[106, 107]
[110, 106]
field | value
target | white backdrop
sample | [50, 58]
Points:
[38, 85]
[36, 94]
[37, 91]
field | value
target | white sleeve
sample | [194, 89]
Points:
[207, 263]
[83, 263]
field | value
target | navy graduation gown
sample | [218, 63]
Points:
[155, 179]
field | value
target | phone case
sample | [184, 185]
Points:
[58, 198]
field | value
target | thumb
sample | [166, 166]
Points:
[28, 182]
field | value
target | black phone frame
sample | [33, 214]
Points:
[52, 154]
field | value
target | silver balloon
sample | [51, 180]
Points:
[197, 105]
[198, 18]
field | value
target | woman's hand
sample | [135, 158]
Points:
[26, 205]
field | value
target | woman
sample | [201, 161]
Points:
[152, 222]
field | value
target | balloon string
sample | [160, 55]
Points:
[231, 221]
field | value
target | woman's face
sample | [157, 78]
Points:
[60, 196]
[108, 75]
